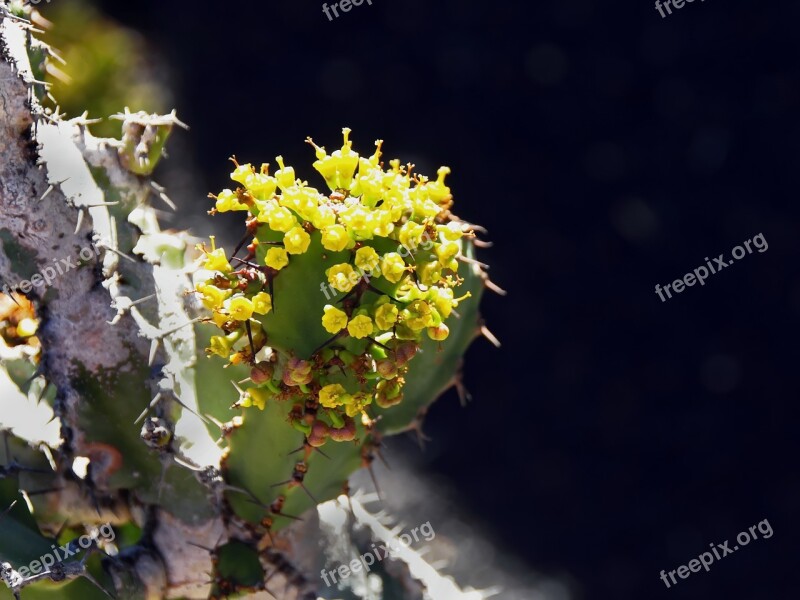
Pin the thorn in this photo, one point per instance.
(153, 349)
(307, 445)
(463, 393)
(270, 280)
(375, 482)
(472, 261)
(117, 252)
(305, 489)
(41, 395)
(489, 336)
(161, 193)
(421, 437)
(49, 189)
(326, 343)
(247, 234)
(482, 244)
(494, 287)
(196, 414)
(164, 334)
(101, 204)
(245, 262)
(80, 221)
(6, 511)
(250, 339)
(209, 550)
(148, 409)
(89, 576)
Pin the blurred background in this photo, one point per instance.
(606, 149)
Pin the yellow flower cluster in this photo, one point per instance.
(397, 257)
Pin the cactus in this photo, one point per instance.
(207, 402)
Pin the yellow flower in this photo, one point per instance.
(367, 259)
(338, 168)
(342, 277)
(284, 175)
(451, 231)
(386, 316)
(241, 172)
(418, 315)
(277, 258)
(334, 320)
(442, 299)
(323, 217)
(216, 261)
(393, 267)
(240, 308)
(333, 395)
(359, 221)
(446, 252)
(410, 234)
(296, 240)
(213, 297)
(281, 219)
(438, 333)
(261, 186)
(429, 273)
(438, 191)
(335, 238)
(227, 200)
(357, 403)
(360, 326)
(255, 397)
(221, 346)
(220, 319)
(262, 303)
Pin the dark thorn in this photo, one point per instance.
(247, 234)
(334, 338)
(270, 279)
(305, 489)
(250, 339)
(375, 482)
(209, 550)
(372, 288)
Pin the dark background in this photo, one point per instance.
(606, 150)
